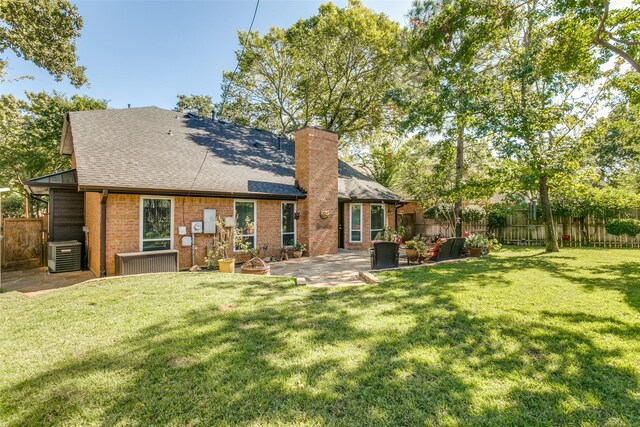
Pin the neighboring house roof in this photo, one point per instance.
(161, 151)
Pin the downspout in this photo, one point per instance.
(103, 233)
(395, 213)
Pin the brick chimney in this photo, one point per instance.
(317, 175)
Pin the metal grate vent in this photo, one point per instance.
(147, 262)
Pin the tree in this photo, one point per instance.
(43, 32)
(616, 30)
(615, 139)
(446, 87)
(583, 199)
(31, 132)
(380, 152)
(331, 70)
(202, 105)
(545, 100)
(428, 171)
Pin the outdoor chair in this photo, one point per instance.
(441, 252)
(456, 249)
(385, 255)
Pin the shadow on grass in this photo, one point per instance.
(402, 353)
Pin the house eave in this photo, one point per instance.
(183, 193)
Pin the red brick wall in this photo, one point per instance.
(366, 224)
(123, 226)
(317, 174)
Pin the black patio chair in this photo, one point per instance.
(444, 252)
(456, 249)
(385, 255)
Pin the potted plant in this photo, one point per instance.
(388, 235)
(411, 250)
(298, 249)
(422, 249)
(223, 238)
(475, 244)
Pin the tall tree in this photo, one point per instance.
(202, 105)
(43, 32)
(446, 86)
(545, 100)
(331, 70)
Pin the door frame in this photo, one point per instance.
(340, 225)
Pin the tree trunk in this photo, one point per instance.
(584, 229)
(551, 240)
(459, 175)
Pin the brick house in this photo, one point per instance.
(146, 174)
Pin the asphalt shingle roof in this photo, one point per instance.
(162, 151)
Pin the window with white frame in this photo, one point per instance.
(156, 223)
(377, 220)
(245, 215)
(288, 224)
(355, 221)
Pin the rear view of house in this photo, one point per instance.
(149, 179)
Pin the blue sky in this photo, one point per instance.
(146, 52)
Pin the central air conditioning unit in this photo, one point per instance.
(64, 256)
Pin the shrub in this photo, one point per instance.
(497, 216)
(473, 214)
(618, 227)
(475, 241)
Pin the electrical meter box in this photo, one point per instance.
(196, 227)
(209, 221)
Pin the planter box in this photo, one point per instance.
(475, 252)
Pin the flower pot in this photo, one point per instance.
(256, 266)
(475, 252)
(227, 265)
(412, 255)
(297, 254)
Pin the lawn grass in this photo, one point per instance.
(516, 338)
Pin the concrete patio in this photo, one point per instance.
(38, 281)
(340, 269)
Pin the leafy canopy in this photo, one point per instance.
(331, 70)
(202, 105)
(31, 132)
(43, 32)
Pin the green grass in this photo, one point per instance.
(516, 338)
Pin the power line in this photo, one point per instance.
(224, 98)
(244, 46)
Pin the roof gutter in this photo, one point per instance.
(184, 193)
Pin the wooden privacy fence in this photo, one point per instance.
(523, 230)
(24, 243)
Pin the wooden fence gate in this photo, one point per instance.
(24, 243)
